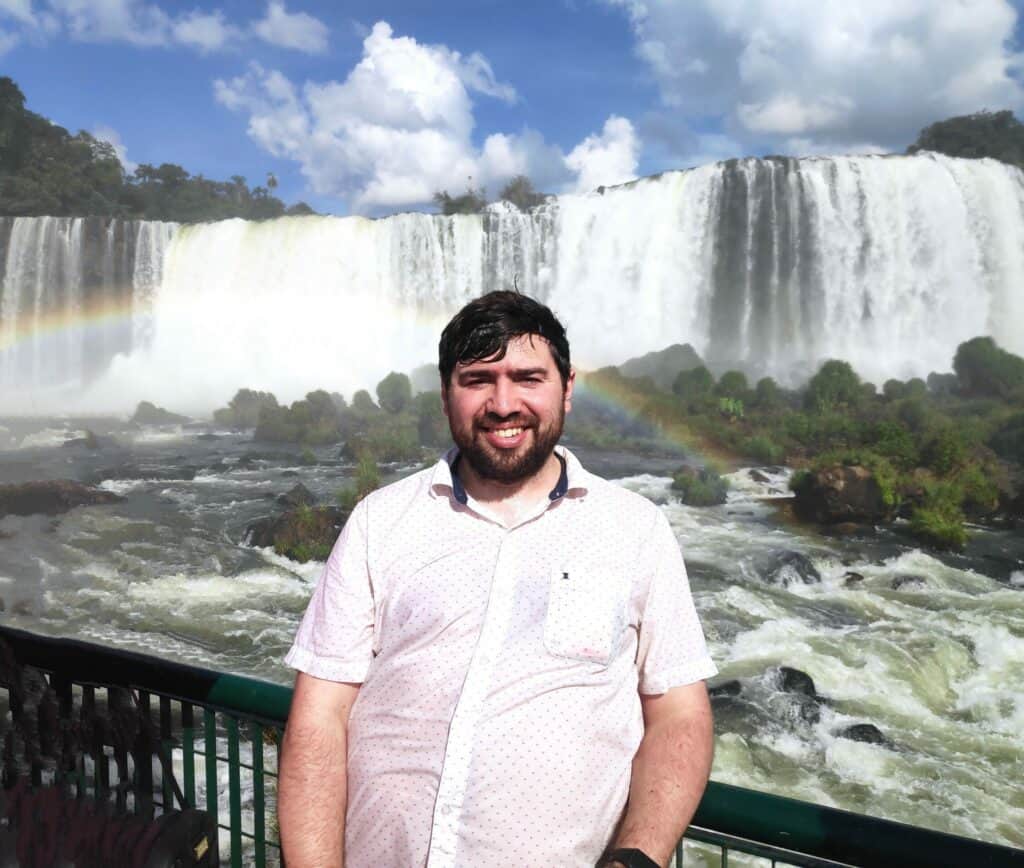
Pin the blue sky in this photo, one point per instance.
(360, 107)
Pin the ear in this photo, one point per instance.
(569, 384)
(444, 398)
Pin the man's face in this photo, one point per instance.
(507, 415)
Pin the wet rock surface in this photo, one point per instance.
(52, 497)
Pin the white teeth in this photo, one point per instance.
(508, 433)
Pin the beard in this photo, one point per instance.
(508, 466)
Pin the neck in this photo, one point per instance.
(523, 491)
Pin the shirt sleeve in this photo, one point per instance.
(335, 639)
(671, 650)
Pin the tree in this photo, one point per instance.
(394, 392)
(835, 386)
(519, 191)
(694, 384)
(767, 394)
(732, 384)
(473, 201)
(984, 369)
(982, 134)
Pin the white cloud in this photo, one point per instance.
(7, 41)
(19, 10)
(206, 32)
(605, 159)
(831, 72)
(113, 138)
(296, 30)
(129, 21)
(395, 130)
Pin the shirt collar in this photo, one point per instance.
(446, 477)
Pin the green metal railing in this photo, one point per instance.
(223, 732)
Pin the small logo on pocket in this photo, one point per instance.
(565, 575)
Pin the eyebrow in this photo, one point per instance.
(515, 373)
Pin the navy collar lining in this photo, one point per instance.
(559, 491)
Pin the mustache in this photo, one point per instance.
(516, 418)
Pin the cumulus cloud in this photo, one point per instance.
(400, 127)
(204, 31)
(108, 134)
(829, 73)
(146, 24)
(605, 158)
(296, 30)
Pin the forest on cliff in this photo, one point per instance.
(47, 171)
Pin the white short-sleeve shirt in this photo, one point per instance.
(501, 667)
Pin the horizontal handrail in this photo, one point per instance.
(760, 818)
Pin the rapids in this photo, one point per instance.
(928, 649)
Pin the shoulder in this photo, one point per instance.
(400, 494)
(632, 509)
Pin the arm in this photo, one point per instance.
(312, 787)
(670, 770)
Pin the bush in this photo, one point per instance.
(983, 368)
(243, 411)
(702, 487)
(894, 442)
(764, 449)
(1008, 439)
(366, 481)
(732, 384)
(836, 386)
(768, 395)
(939, 521)
(394, 392)
(945, 451)
(694, 384)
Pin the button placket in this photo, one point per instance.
(459, 748)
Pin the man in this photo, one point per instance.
(501, 649)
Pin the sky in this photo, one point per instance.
(370, 108)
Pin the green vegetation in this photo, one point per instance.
(519, 192)
(243, 411)
(45, 170)
(367, 480)
(984, 134)
(703, 487)
(940, 450)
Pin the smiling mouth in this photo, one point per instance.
(507, 433)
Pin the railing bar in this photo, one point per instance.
(234, 792)
(210, 734)
(188, 751)
(725, 857)
(167, 745)
(144, 763)
(258, 804)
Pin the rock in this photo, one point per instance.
(296, 496)
(785, 568)
(911, 582)
(851, 578)
(206, 435)
(290, 473)
(302, 534)
(726, 688)
(851, 528)
(50, 498)
(865, 732)
(149, 414)
(758, 476)
(134, 471)
(89, 441)
(841, 494)
(794, 681)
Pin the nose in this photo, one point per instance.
(503, 400)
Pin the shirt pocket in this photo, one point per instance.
(586, 612)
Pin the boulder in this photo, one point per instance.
(785, 568)
(51, 497)
(89, 441)
(149, 414)
(851, 578)
(865, 732)
(296, 496)
(908, 581)
(841, 493)
(302, 534)
(726, 688)
(794, 681)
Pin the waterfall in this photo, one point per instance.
(770, 265)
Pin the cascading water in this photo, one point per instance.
(769, 265)
(70, 289)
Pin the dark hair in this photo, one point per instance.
(483, 328)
